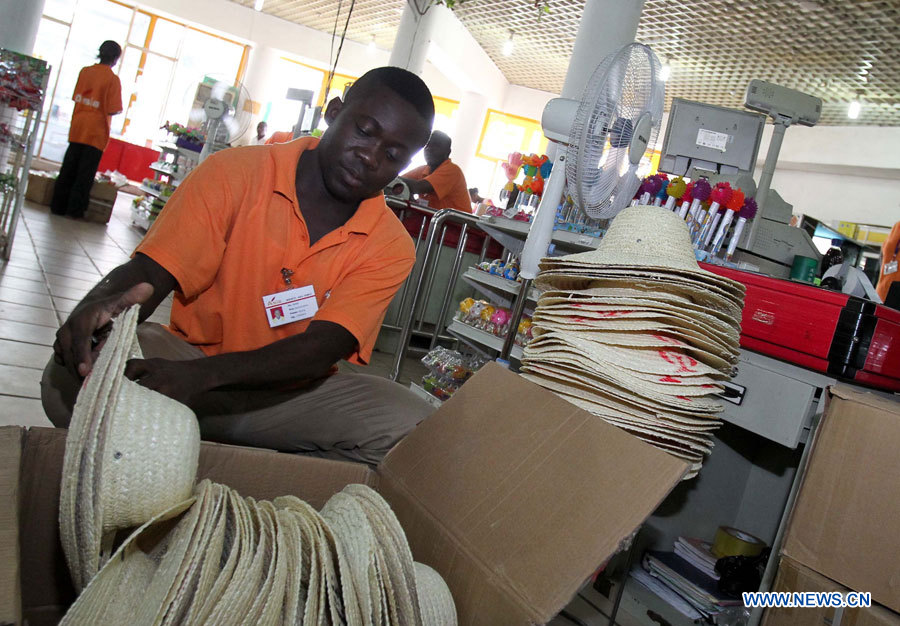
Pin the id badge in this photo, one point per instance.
(291, 305)
(890, 268)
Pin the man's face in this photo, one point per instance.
(436, 151)
(370, 142)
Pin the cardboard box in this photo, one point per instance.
(40, 188)
(104, 191)
(514, 495)
(98, 211)
(794, 577)
(846, 521)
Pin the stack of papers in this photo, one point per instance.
(698, 553)
(670, 574)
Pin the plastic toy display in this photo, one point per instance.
(448, 370)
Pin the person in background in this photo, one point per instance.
(890, 255)
(260, 134)
(283, 260)
(280, 136)
(440, 181)
(98, 96)
(474, 196)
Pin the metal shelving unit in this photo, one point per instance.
(23, 83)
(174, 165)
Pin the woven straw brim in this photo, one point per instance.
(569, 281)
(132, 586)
(436, 604)
(691, 332)
(690, 398)
(395, 557)
(561, 378)
(681, 302)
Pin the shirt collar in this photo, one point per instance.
(285, 157)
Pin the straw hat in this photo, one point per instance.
(435, 600)
(130, 453)
(647, 237)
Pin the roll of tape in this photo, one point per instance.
(733, 542)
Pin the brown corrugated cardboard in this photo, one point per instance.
(794, 577)
(98, 211)
(40, 188)
(514, 495)
(845, 522)
(104, 191)
(10, 463)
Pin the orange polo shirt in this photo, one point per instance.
(889, 252)
(235, 222)
(280, 136)
(97, 96)
(449, 182)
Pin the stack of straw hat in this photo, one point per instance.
(637, 334)
(203, 554)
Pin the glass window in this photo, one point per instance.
(60, 9)
(166, 37)
(139, 27)
(50, 46)
(503, 133)
(151, 91)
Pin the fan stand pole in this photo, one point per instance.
(539, 236)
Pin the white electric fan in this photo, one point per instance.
(222, 110)
(601, 140)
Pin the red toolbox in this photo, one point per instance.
(843, 336)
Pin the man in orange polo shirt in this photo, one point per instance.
(439, 182)
(97, 96)
(283, 260)
(280, 136)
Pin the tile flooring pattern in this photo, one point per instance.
(54, 262)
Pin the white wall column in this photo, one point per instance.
(261, 82)
(19, 25)
(605, 26)
(469, 120)
(414, 38)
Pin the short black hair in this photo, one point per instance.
(110, 52)
(402, 82)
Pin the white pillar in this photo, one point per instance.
(469, 120)
(413, 38)
(605, 26)
(19, 25)
(261, 81)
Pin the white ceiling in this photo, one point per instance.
(835, 49)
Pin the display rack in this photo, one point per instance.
(174, 164)
(23, 83)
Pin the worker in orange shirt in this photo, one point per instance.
(890, 256)
(283, 260)
(280, 136)
(97, 96)
(439, 182)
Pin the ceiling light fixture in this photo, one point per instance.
(371, 46)
(665, 72)
(855, 107)
(259, 5)
(508, 45)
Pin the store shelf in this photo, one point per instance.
(498, 289)
(151, 192)
(481, 338)
(569, 240)
(419, 391)
(162, 170)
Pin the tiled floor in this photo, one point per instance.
(54, 262)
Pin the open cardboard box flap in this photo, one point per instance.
(514, 495)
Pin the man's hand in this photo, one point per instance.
(79, 340)
(183, 381)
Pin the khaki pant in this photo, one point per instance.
(350, 417)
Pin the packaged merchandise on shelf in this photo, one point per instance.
(21, 80)
(499, 267)
(482, 315)
(448, 370)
